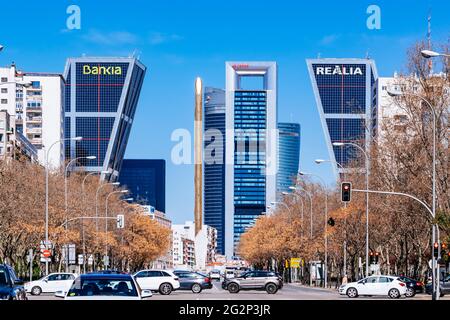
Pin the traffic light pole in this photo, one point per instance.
(434, 263)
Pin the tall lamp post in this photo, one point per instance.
(66, 200)
(46, 191)
(96, 197)
(326, 223)
(320, 161)
(340, 144)
(297, 197)
(106, 218)
(435, 268)
(310, 207)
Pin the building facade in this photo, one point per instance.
(38, 108)
(101, 95)
(345, 93)
(13, 145)
(214, 163)
(251, 146)
(288, 155)
(146, 181)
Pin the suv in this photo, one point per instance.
(254, 280)
(444, 286)
(163, 281)
(11, 287)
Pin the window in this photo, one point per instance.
(4, 90)
(103, 287)
(4, 79)
(372, 280)
(4, 101)
(35, 84)
(384, 280)
(154, 274)
(3, 276)
(142, 274)
(165, 274)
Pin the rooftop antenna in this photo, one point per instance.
(367, 54)
(318, 55)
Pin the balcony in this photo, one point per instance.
(34, 109)
(36, 141)
(34, 130)
(34, 119)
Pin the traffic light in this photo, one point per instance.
(371, 257)
(436, 250)
(377, 255)
(120, 221)
(346, 191)
(331, 222)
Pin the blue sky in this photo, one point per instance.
(178, 40)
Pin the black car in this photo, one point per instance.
(444, 286)
(193, 281)
(413, 286)
(107, 272)
(11, 287)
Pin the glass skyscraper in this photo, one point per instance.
(251, 147)
(288, 155)
(344, 92)
(214, 171)
(146, 181)
(101, 98)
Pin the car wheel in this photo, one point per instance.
(35, 291)
(410, 292)
(352, 293)
(196, 288)
(233, 288)
(394, 294)
(165, 289)
(271, 288)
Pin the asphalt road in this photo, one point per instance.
(289, 292)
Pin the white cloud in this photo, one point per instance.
(110, 38)
(329, 39)
(159, 37)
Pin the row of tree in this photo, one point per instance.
(22, 221)
(400, 159)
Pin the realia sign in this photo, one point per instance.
(102, 70)
(339, 70)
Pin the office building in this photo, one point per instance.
(191, 250)
(214, 166)
(100, 102)
(345, 93)
(251, 146)
(288, 155)
(37, 102)
(146, 180)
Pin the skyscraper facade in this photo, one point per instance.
(214, 170)
(101, 96)
(288, 155)
(251, 147)
(345, 93)
(146, 181)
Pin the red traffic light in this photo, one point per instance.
(377, 253)
(444, 246)
(371, 253)
(436, 245)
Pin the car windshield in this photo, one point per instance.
(103, 287)
(3, 279)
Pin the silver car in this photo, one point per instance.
(254, 280)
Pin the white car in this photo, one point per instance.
(375, 286)
(229, 274)
(51, 283)
(163, 281)
(104, 287)
(214, 274)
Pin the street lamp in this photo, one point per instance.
(106, 218)
(340, 144)
(396, 93)
(46, 191)
(65, 198)
(310, 207)
(431, 54)
(326, 223)
(1, 47)
(274, 203)
(297, 197)
(320, 161)
(96, 198)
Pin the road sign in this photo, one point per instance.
(46, 253)
(80, 259)
(90, 260)
(295, 262)
(106, 260)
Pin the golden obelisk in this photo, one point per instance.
(198, 158)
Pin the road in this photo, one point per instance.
(289, 292)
